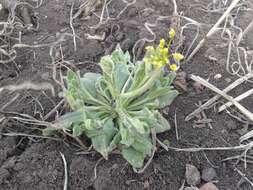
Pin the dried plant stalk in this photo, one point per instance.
(202, 81)
(214, 28)
(215, 98)
(238, 98)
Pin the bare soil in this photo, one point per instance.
(30, 163)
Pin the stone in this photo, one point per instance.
(192, 175)
(208, 174)
(208, 186)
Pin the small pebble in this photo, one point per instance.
(209, 186)
(198, 87)
(208, 174)
(218, 76)
(192, 175)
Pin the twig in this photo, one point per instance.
(208, 121)
(215, 98)
(175, 121)
(175, 7)
(241, 35)
(28, 135)
(95, 168)
(220, 92)
(65, 172)
(76, 139)
(29, 86)
(175, 24)
(235, 148)
(182, 186)
(213, 30)
(10, 102)
(244, 177)
(72, 27)
(95, 37)
(53, 110)
(247, 136)
(32, 121)
(238, 98)
(162, 144)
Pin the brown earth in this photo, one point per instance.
(29, 163)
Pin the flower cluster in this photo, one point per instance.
(160, 56)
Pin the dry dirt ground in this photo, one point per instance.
(30, 163)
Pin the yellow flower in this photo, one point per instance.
(149, 48)
(162, 43)
(173, 67)
(164, 51)
(178, 56)
(158, 64)
(172, 33)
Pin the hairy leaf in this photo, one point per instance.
(134, 157)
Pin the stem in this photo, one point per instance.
(144, 88)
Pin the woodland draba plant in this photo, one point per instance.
(118, 109)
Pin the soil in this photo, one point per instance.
(31, 163)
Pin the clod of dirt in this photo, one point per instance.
(198, 87)
(4, 174)
(209, 186)
(192, 175)
(180, 81)
(208, 174)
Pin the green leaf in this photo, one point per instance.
(89, 81)
(167, 99)
(126, 136)
(106, 65)
(167, 80)
(134, 157)
(143, 145)
(155, 98)
(68, 119)
(137, 124)
(139, 76)
(162, 124)
(77, 130)
(118, 56)
(101, 142)
(73, 93)
(115, 141)
(120, 76)
(80, 90)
